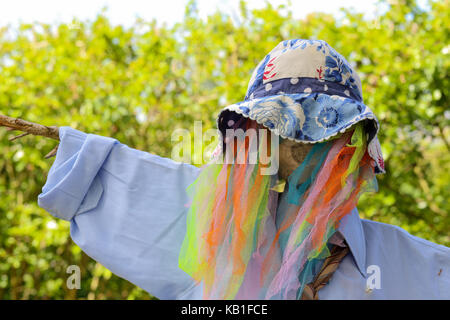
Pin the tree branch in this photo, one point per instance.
(19, 136)
(29, 127)
(52, 152)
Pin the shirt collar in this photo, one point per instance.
(352, 231)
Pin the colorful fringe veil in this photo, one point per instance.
(243, 243)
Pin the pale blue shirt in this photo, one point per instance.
(127, 210)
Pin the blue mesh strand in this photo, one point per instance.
(295, 192)
(374, 184)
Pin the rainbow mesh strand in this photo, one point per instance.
(242, 244)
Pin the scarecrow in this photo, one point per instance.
(234, 229)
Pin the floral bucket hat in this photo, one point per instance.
(304, 90)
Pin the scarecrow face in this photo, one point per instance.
(292, 155)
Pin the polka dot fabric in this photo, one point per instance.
(304, 90)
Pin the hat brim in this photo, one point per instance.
(308, 118)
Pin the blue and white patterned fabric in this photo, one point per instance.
(304, 90)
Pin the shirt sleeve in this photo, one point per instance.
(127, 208)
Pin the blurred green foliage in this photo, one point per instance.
(138, 84)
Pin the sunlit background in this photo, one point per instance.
(169, 11)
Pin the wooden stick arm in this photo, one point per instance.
(30, 128)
